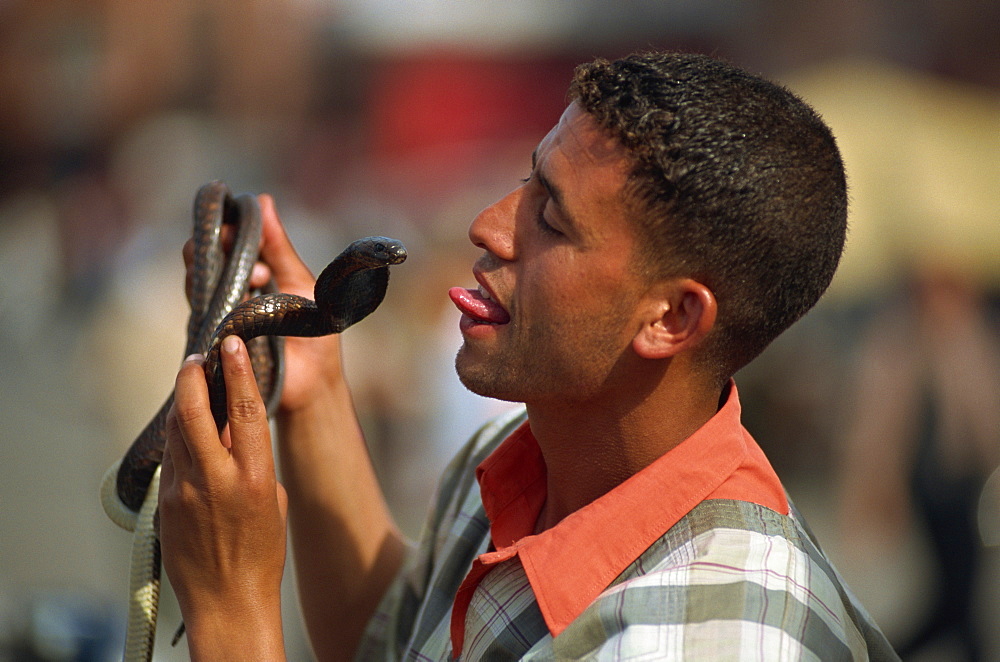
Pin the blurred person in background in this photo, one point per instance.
(925, 437)
(680, 216)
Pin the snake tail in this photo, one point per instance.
(144, 582)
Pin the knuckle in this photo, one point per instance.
(170, 502)
(258, 481)
(238, 366)
(262, 489)
(184, 497)
(245, 409)
(172, 426)
(189, 498)
(187, 415)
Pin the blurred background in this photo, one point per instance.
(404, 118)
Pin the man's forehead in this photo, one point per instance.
(578, 135)
(584, 169)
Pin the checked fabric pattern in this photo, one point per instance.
(730, 581)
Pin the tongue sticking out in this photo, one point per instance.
(473, 305)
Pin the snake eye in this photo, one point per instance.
(379, 248)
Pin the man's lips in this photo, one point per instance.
(478, 306)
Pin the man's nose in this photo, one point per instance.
(493, 228)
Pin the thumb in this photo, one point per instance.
(289, 271)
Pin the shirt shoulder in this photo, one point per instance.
(414, 610)
(731, 580)
(458, 481)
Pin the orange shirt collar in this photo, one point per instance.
(719, 461)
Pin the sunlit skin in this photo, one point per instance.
(595, 348)
(602, 357)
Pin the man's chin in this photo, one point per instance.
(484, 381)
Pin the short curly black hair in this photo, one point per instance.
(737, 183)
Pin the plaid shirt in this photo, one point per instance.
(730, 579)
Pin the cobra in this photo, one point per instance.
(348, 290)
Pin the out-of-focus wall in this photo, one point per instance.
(405, 118)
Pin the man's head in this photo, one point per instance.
(681, 209)
(736, 184)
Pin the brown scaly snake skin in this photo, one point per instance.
(350, 288)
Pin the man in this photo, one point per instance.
(680, 215)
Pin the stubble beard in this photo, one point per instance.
(548, 369)
(492, 377)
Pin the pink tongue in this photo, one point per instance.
(472, 303)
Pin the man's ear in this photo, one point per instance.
(680, 314)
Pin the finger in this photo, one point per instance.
(226, 437)
(277, 251)
(168, 472)
(248, 428)
(227, 235)
(282, 501)
(192, 413)
(187, 252)
(175, 449)
(167, 465)
(260, 276)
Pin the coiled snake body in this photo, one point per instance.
(351, 287)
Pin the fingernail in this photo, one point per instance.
(195, 358)
(230, 344)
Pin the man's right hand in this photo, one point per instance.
(344, 540)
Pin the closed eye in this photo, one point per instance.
(552, 195)
(546, 228)
(544, 225)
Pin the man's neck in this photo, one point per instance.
(590, 448)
